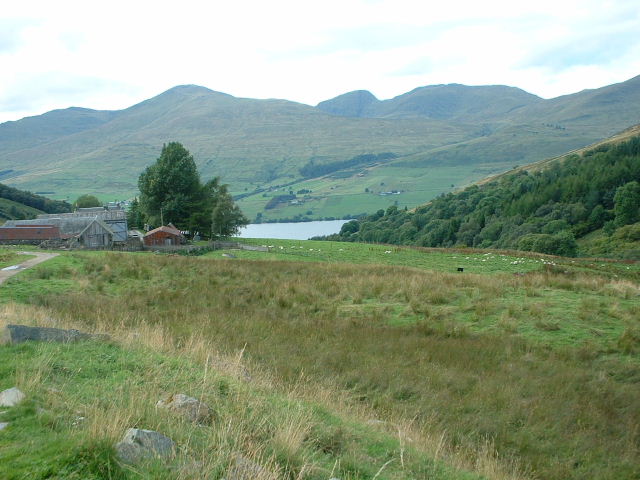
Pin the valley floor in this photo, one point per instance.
(334, 360)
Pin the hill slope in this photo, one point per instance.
(17, 204)
(544, 209)
(258, 145)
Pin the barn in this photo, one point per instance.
(86, 231)
(29, 234)
(96, 234)
(165, 235)
(113, 216)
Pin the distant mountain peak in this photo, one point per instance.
(192, 90)
(443, 101)
(351, 104)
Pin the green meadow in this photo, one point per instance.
(339, 360)
(357, 191)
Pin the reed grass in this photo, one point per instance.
(504, 375)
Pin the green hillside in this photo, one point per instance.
(439, 135)
(17, 204)
(544, 209)
(10, 210)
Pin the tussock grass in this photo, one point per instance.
(472, 374)
(89, 393)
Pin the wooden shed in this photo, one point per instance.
(165, 235)
(96, 234)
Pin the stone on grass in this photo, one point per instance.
(11, 397)
(13, 334)
(3, 425)
(138, 445)
(189, 407)
(245, 469)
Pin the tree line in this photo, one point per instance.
(38, 202)
(312, 169)
(544, 210)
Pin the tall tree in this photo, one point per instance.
(627, 204)
(134, 215)
(170, 189)
(226, 216)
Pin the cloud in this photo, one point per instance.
(44, 90)
(595, 47)
(11, 31)
(55, 54)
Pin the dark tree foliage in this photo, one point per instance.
(171, 192)
(87, 201)
(170, 189)
(543, 211)
(313, 169)
(135, 217)
(35, 201)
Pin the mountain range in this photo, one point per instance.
(433, 138)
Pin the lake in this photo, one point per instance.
(292, 231)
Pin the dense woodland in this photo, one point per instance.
(311, 169)
(545, 210)
(35, 201)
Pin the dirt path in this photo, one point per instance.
(8, 272)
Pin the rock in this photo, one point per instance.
(13, 334)
(3, 425)
(137, 445)
(245, 469)
(191, 408)
(375, 422)
(11, 397)
(228, 255)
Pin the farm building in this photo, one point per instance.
(96, 234)
(87, 231)
(165, 235)
(113, 216)
(29, 234)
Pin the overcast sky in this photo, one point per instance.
(110, 55)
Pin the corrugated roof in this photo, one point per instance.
(166, 229)
(67, 225)
(99, 222)
(24, 232)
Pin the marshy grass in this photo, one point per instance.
(499, 374)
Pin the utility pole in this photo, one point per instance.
(161, 217)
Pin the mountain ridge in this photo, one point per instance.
(258, 144)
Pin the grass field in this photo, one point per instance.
(348, 193)
(83, 397)
(519, 367)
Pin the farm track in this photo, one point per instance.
(9, 272)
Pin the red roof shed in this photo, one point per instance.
(165, 235)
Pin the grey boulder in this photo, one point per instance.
(189, 407)
(138, 445)
(11, 397)
(13, 334)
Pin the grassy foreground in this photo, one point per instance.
(534, 375)
(82, 398)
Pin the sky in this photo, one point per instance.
(111, 55)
